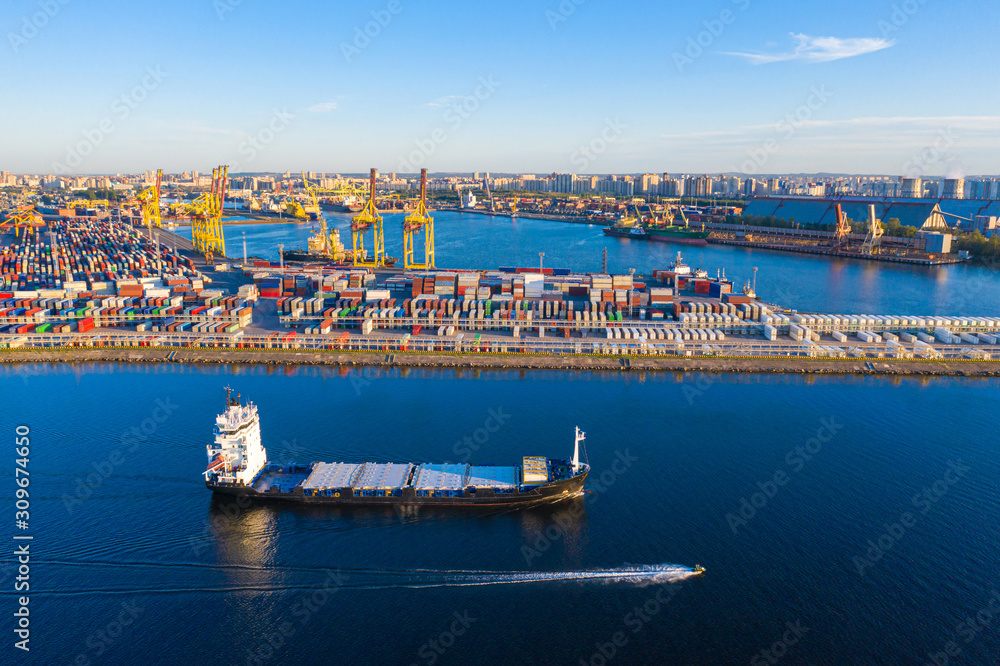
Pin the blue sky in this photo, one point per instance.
(594, 87)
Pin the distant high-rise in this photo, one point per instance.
(954, 188)
(912, 188)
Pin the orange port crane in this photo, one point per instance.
(367, 219)
(414, 223)
(843, 228)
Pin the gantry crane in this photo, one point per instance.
(367, 219)
(843, 228)
(873, 241)
(206, 215)
(23, 216)
(312, 210)
(149, 198)
(412, 226)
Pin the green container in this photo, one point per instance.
(43, 328)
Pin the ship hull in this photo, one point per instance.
(549, 492)
(683, 240)
(608, 231)
(695, 238)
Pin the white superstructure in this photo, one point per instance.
(237, 454)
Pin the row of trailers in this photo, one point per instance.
(462, 343)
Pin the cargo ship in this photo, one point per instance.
(670, 234)
(238, 465)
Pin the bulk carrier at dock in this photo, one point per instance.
(237, 465)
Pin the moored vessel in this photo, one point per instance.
(238, 465)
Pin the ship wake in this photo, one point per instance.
(138, 577)
(655, 574)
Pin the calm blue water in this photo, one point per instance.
(807, 283)
(127, 521)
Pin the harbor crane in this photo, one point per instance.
(367, 219)
(149, 199)
(311, 210)
(25, 217)
(873, 241)
(206, 216)
(414, 223)
(489, 195)
(843, 228)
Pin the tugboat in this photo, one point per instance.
(238, 465)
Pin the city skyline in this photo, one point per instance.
(873, 88)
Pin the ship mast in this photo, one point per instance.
(580, 436)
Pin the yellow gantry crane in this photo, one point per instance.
(206, 215)
(24, 216)
(311, 210)
(367, 219)
(149, 198)
(414, 223)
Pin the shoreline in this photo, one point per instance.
(498, 361)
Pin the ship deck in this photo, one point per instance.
(281, 479)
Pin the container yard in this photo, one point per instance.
(96, 284)
(85, 254)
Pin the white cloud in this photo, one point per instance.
(444, 101)
(820, 49)
(322, 107)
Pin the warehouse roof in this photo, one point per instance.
(917, 213)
